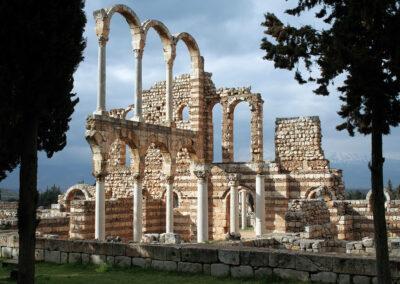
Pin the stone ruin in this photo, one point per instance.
(155, 173)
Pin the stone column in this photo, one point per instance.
(169, 205)
(234, 208)
(138, 85)
(100, 208)
(137, 208)
(101, 87)
(244, 210)
(202, 205)
(260, 205)
(168, 92)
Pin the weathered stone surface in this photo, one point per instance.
(189, 267)
(219, 270)
(39, 255)
(359, 279)
(262, 272)
(170, 238)
(64, 257)
(74, 257)
(123, 261)
(283, 260)
(97, 259)
(85, 258)
(229, 256)
(141, 262)
(110, 259)
(243, 271)
(344, 279)
(164, 265)
(206, 269)
(6, 252)
(291, 274)
(52, 256)
(202, 255)
(324, 277)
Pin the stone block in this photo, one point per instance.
(53, 256)
(243, 271)
(118, 249)
(282, 260)
(262, 272)
(219, 270)
(133, 250)
(74, 257)
(164, 265)
(123, 261)
(15, 253)
(85, 258)
(64, 257)
(229, 256)
(6, 252)
(141, 262)
(291, 274)
(344, 279)
(202, 255)
(190, 267)
(207, 269)
(324, 277)
(359, 279)
(39, 254)
(170, 238)
(97, 259)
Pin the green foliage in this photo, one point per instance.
(359, 42)
(49, 196)
(355, 194)
(43, 47)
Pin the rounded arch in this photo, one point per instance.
(78, 192)
(328, 194)
(194, 50)
(164, 34)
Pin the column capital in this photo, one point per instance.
(258, 167)
(138, 53)
(201, 173)
(102, 40)
(233, 179)
(137, 177)
(169, 179)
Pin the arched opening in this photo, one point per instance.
(217, 133)
(120, 65)
(185, 114)
(242, 132)
(182, 116)
(175, 200)
(128, 156)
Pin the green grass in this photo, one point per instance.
(68, 273)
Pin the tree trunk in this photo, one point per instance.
(378, 204)
(27, 202)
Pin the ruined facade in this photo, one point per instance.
(155, 173)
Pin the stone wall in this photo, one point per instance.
(58, 226)
(298, 144)
(236, 262)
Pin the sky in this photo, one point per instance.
(229, 34)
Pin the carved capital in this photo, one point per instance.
(233, 179)
(102, 40)
(168, 179)
(138, 53)
(201, 173)
(137, 177)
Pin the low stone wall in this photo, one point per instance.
(237, 262)
(55, 226)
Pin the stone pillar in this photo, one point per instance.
(138, 85)
(101, 87)
(169, 205)
(234, 208)
(260, 205)
(244, 210)
(202, 205)
(227, 134)
(137, 208)
(100, 208)
(168, 92)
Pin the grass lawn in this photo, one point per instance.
(68, 273)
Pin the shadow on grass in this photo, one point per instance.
(47, 273)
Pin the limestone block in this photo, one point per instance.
(110, 259)
(243, 271)
(254, 258)
(85, 258)
(229, 256)
(202, 255)
(170, 238)
(52, 256)
(219, 270)
(344, 279)
(189, 267)
(207, 269)
(74, 257)
(97, 259)
(262, 272)
(324, 277)
(123, 261)
(6, 252)
(291, 274)
(64, 257)
(166, 265)
(283, 260)
(141, 262)
(359, 279)
(15, 253)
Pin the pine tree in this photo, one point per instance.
(41, 47)
(357, 38)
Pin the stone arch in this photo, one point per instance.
(321, 192)
(164, 34)
(78, 192)
(193, 48)
(386, 194)
(179, 112)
